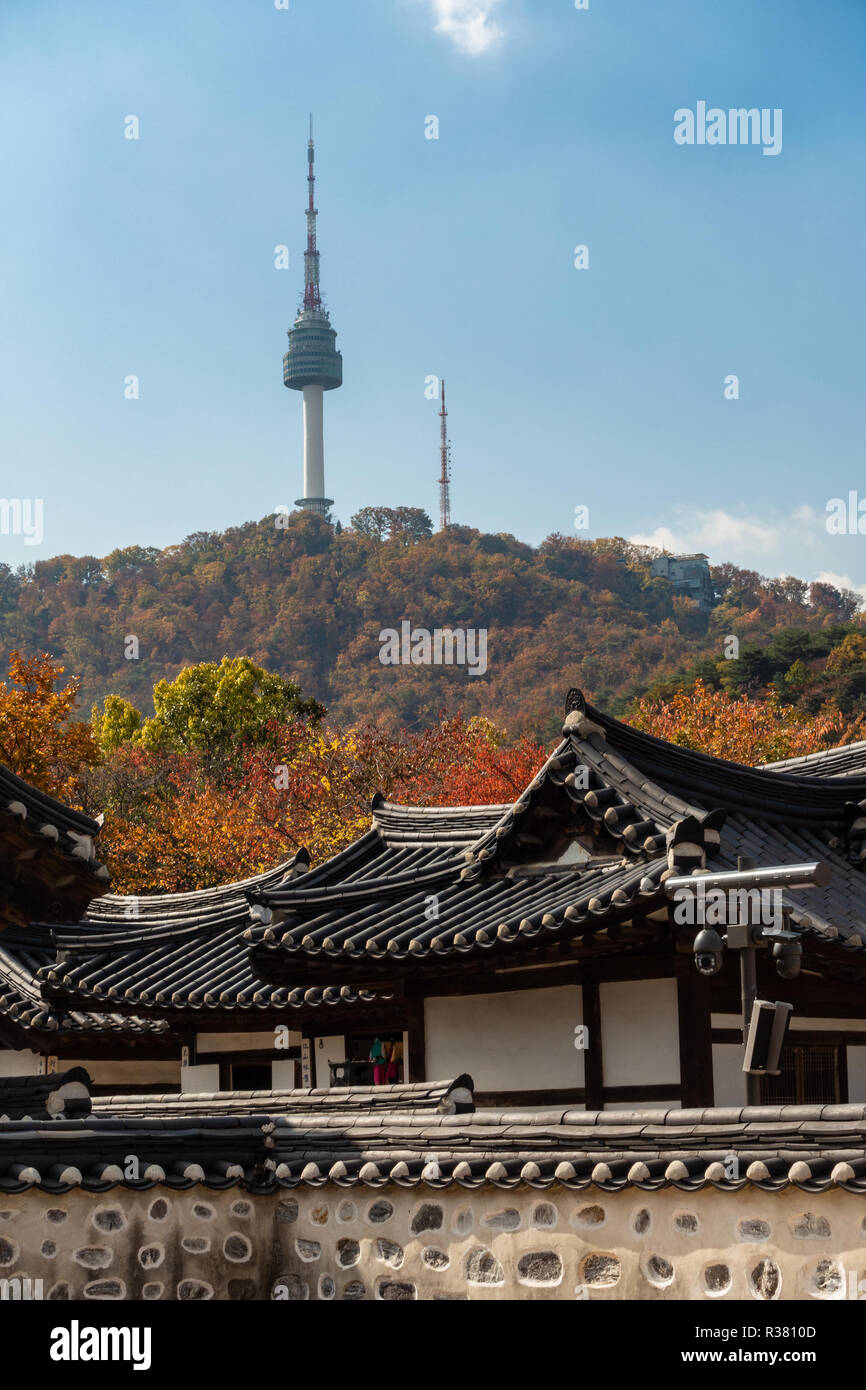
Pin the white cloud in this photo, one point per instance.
(772, 545)
(717, 533)
(468, 24)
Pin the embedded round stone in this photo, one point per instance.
(319, 1216)
(765, 1279)
(506, 1220)
(686, 1223)
(600, 1270)
(428, 1217)
(826, 1279)
(204, 1211)
(196, 1245)
(752, 1229)
(58, 1292)
(109, 1219)
(93, 1257)
(308, 1250)
(194, 1291)
(346, 1212)
(588, 1217)
(8, 1251)
(152, 1290)
(462, 1222)
(809, 1226)
(49, 1249)
(435, 1259)
(287, 1211)
(390, 1291)
(241, 1209)
(641, 1222)
(237, 1248)
(545, 1214)
(390, 1252)
(659, 1271)
(717, 1279)
(539, 1267)
(327, 1287)
(348, 1253)
(158, 1209)
(482, 1267)
(290, 1289)
(55, 1215)
(149, 1256)
(105, 1289)
(355, 1291)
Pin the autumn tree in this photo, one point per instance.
(40, 739)
(739, 728)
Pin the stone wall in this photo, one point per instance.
(397, 1243)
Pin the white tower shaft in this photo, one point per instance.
(314, 442)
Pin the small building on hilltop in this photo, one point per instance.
(689, 574)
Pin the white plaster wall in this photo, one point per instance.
(283, 1075)
(673, 1103)
(729, 1079)
(856, 1075)
(325, 1050)
(200, 1080)
(513, 1041)
(19, 1063)
(640, 1033)
(128, 1071)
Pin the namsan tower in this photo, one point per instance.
(313, 364)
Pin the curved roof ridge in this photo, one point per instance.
(732, 785)
(155, 902)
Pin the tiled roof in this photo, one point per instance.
(45, 1097)
(814, 1148)
(162, 953)
(445, 1097)
(847, 761)
(426, 886)
(47, 853)
(663, 805)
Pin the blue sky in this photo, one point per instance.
(602, 387)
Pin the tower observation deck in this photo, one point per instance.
(313, 364)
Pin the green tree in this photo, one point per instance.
(219, 710)
(118, 722)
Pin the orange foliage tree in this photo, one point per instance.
(744, 730)
(40, 740)
(171, 827)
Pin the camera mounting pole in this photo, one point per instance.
(748, 989)
(745, 936)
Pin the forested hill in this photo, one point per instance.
(309, 601)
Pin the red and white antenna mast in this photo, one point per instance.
(445, 461)
(312, 295)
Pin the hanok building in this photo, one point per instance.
(493, 940)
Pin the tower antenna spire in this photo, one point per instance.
(313, 364)
(445, 466)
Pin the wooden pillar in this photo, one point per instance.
(694, 1016)
(417, 1045)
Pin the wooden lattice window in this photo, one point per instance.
(810, 1075)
